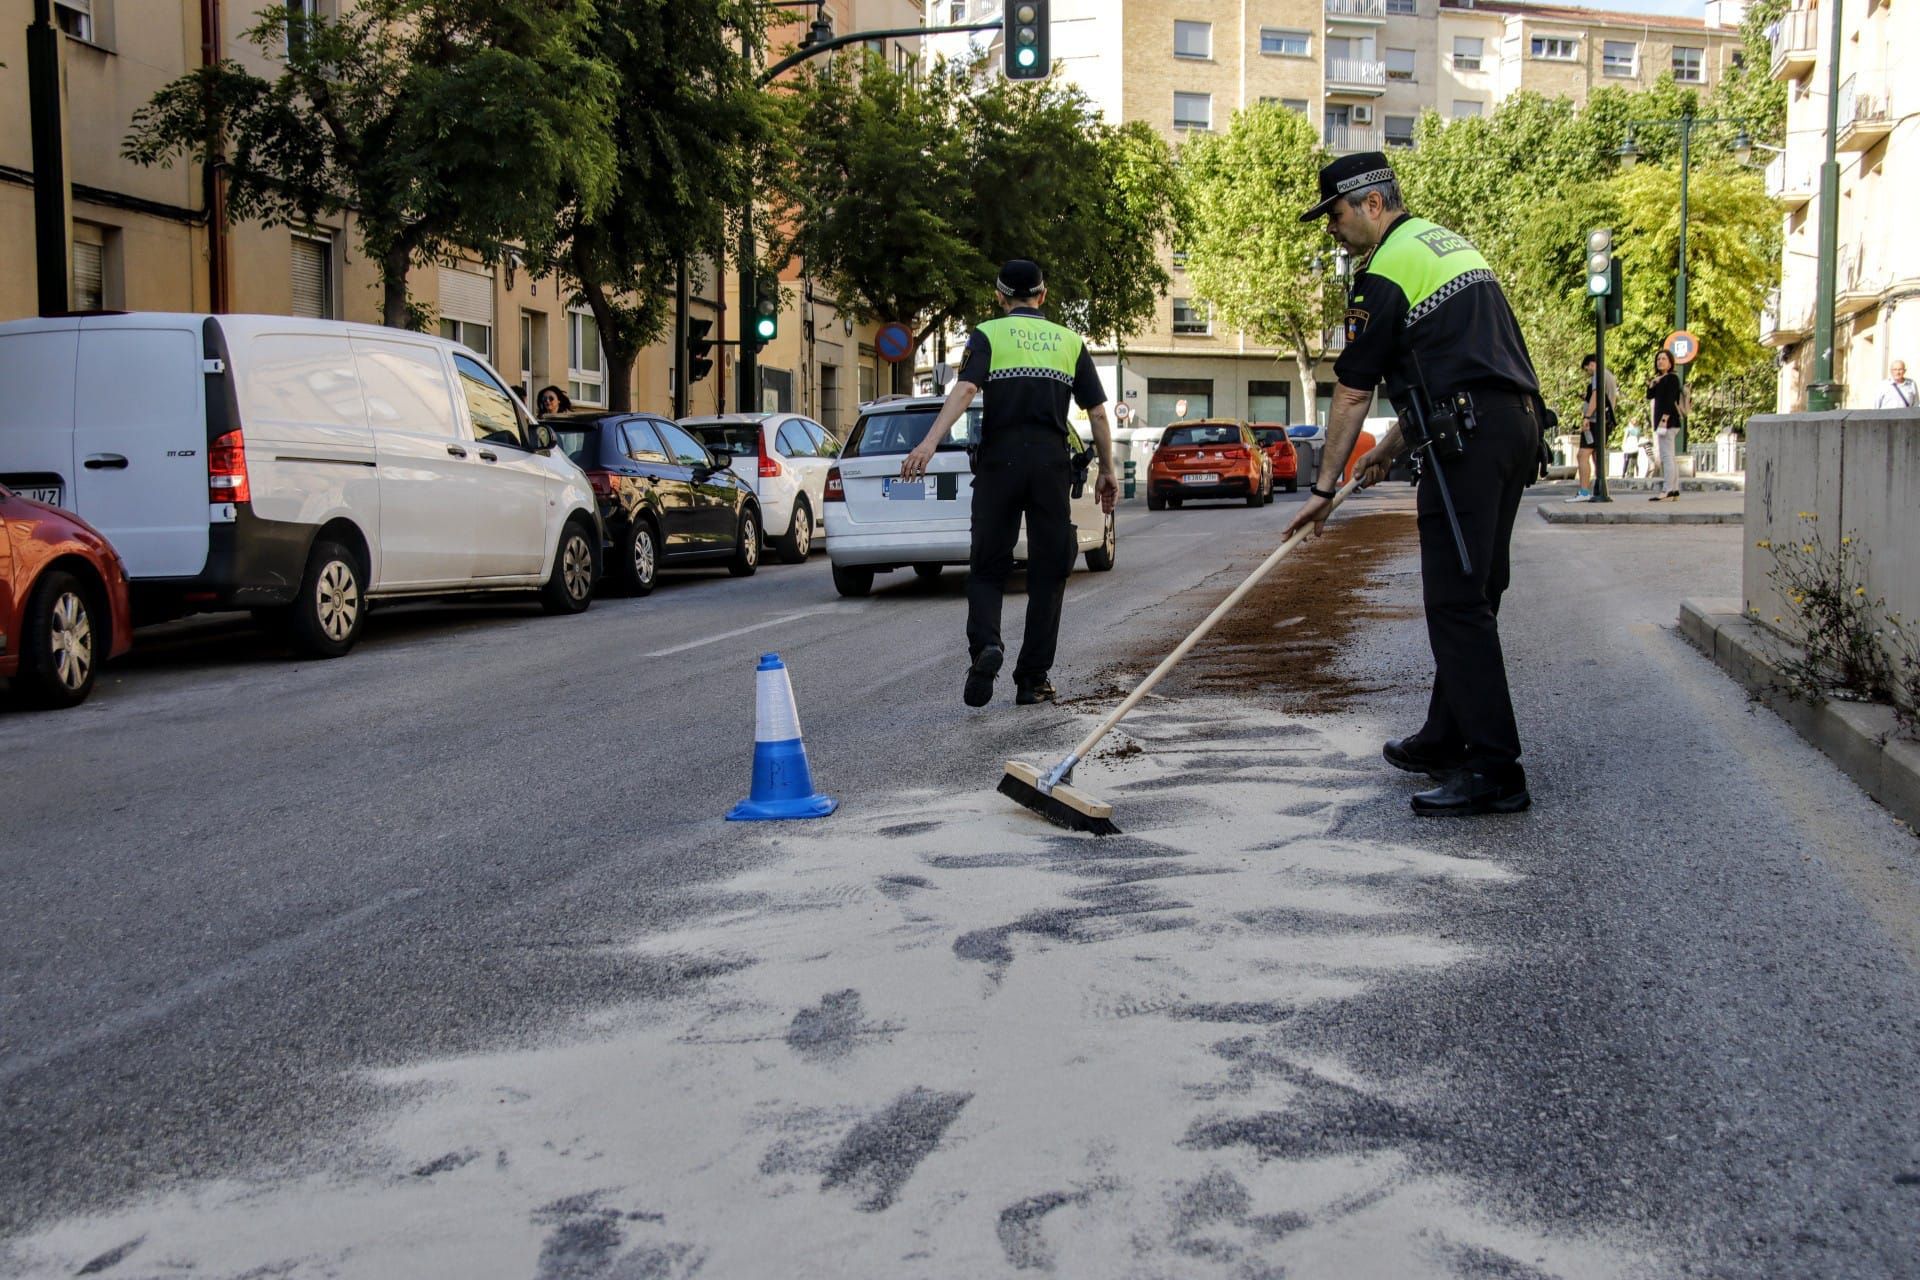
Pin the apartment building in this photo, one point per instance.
(1877, 271)
(1364, 71)
(141, 239)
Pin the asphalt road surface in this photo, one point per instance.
(440, 959)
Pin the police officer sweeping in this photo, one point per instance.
(1426, 317)
(1028, 366)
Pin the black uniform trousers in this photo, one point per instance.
(1021, 472)
(1470, 712)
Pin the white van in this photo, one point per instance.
(297, 468)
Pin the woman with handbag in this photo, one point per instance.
(1663, 396)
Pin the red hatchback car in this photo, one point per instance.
(1214, 458)
(63, 602)
(1280, 452)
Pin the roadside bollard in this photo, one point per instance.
(1126, 479)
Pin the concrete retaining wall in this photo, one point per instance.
(1859, 471)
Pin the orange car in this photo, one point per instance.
(1280, 453)
(63, 602)
(1212, 458)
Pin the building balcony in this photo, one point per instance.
(1343, 138)
(1780, 325)
(1366, 13)
(1857, 282)
(1795, 37)
(1356, 75)
(1864, 118)
(1791, 181)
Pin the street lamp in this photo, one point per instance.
(1629, 154)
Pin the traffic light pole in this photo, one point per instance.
(1601, 433)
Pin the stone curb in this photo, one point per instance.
(1854, 735)
(1608, 513)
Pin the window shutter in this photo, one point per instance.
(466, 295)
(87, 277)
(310, 292)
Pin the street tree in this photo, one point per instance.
(1248, 253)
(441, 125)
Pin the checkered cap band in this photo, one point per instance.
(1363, 180)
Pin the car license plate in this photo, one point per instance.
(47, 493)
(1201, 477)
(898, 490)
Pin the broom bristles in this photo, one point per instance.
(1057, 807)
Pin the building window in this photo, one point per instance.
(89, 275)
(869, 381)
(1172, 400)
(586, 368)
(466, 309)
(1193, 39)
(1556, 48)
(956, 12)
(75, 17)
(1295, 104)
(1285, 43)
(1617, 57)
(1400, 64)
(1190, 321)
(1193, 111)
(1399, 131)
(313, 277)
(1466, 52)
(1689, 65)
(1270, 402)
(1402, 6)
(1179, 260)
(1465, 109)
(533, 353)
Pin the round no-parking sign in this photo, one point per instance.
(1684, 346)
(894, 343)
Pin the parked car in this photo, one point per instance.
(297, 468)
(63, 602)
(877, 522)
(1213, 458)
(1282, 457)
(667, 501)
(784, 459)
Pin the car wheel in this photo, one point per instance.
(746, 546)
(798, 544)
(928, 572)
(61, 652)
(1100, 558)
(640, 558)
(1256, 496)
(1175, 502)
(852, 580)
(327, 614)
(569, 588)
(1155, 502)
(1293, 486)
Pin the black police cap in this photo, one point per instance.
(1020, 278)
(1348, 173)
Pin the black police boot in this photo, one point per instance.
(980, 674)
(1468, 791)
(1416, 756)
(1031, 689)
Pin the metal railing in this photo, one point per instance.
(1356, 8)
(1795, 31)
(1777, 317)
(1861, 102)
(1364, 71)
(1352, 137)
(1782, 177)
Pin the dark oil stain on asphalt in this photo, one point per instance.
(829, 1030)
(451, 1160)
(882, 1152)
(1019, 1228)
(111, 1258)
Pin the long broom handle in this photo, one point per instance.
(1199, 633)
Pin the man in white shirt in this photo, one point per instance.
(1898, 392)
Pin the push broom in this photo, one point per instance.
(1048, 793)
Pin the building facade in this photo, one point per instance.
(1364, 71)
(1876, 271)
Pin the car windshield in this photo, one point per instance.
(578, 442)
(899, 430)
(1203, 433)
(735, 437)
(1301, 433)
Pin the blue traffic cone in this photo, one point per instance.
(782, 782)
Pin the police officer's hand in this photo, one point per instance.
(1372, 467)
(1107, 489)
(1314, 511)
(914, 465)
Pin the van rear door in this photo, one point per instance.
(36, 412)
(140, 444)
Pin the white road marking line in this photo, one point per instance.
(781, 621)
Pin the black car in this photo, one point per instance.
(667, 501)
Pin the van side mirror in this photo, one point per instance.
(544, 437)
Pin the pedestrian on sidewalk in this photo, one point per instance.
(1663, 410)
(1630, 451)
(1426, 315)
(1898, 391)
(1595, 434)
(1029, 368)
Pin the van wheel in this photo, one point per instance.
(746, 546)
(1101, 558)
(852, 580)
(639, 558)
(798, 544)
(327, 615)
(569, 588)
(61, 652)
(928, 572)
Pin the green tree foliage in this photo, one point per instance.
(441, 125)
(1749, 92)
(1248, 253)
(904, 194)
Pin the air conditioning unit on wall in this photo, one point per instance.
(1362, 114)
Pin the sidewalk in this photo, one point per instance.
(1710, 500)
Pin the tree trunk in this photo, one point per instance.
(393, 285)
(617, 354)
(1304, 362)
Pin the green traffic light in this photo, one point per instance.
(765, 326)
(1025, 57)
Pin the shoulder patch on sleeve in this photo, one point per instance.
(1356, 323)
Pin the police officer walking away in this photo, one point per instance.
(1028, 366)
(1427, 317)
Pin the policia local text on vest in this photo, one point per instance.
(1028, 367)
(1427, 318)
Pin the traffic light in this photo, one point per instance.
(699, 350)
(766, 310)
(1025, 42)
(1599, 262)
(1615, 295)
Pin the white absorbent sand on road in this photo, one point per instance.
(945, 1039)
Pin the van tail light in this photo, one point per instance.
(769, 465)
(227, 469)
(836, 488)
(602, 482)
